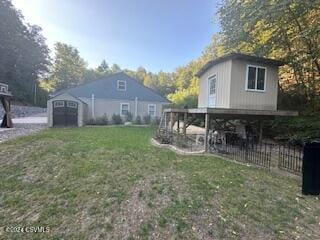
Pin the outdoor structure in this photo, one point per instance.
(113, 94)
(5, 97)
(234, 87)
(239, 81)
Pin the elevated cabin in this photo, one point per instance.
(239, 81)
(233, 87)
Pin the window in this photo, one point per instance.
(256, 78)
(212, 85)
(121, 85)
(152, 110)
(72, 104)
(124, 109)
(57, 104)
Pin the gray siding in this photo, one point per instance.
(223, 74)
(109, 107)
(240, 98)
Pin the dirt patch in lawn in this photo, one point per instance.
(138, 214)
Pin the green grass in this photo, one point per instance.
(111, 183)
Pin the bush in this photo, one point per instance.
(147, 119)
(296, 130)
(116, 119)
(155, 121)
(138, 120)
(129, 117)
(99, 120)
(91, 121)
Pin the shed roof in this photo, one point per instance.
(240, 56)
(106, 87)
(69, 94)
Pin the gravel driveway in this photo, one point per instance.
(23, 126)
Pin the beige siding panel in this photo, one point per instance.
(242, 99)
(223, 74)
(82, 108)
(109, 107)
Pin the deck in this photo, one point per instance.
(172, 115)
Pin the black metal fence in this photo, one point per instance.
(290, 159)
(255, 154)
(267, 155)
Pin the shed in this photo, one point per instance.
(66, 110)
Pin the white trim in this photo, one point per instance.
(256, 81)
(155, 109)
(125, 85)
(92, 106)
(136, 106)
(121, 104)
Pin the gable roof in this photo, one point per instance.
(240, 56)
(61, 93)
(106, 87)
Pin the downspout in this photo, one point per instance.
(92, 106)
(136, 107)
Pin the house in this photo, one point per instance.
(113, 94)
(239, 81)
(233, 87)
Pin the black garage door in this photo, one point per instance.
(65, 113)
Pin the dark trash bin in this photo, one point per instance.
(311, 169)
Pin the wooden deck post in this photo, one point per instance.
(178, 123)
(165, 121)
(206, 141)
(185, 120)
(171, 122)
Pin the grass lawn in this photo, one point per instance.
(110, 183)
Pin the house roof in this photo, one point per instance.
(106, 87)
(239, 56)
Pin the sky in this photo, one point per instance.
(155, 34)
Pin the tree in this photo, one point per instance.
(68, 69)
(141, 73)
(24, 56)
(283, 29)
(103, 68)
(165, 83)
(115, 68)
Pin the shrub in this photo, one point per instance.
(129, 117)
(147, 119)
(116, 119)
(155, 121)
(103, 120)
(91, 121)
(138, 120)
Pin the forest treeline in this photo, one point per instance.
(288, 30)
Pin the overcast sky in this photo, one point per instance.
(156, 34)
